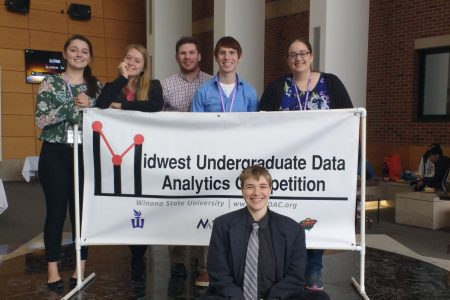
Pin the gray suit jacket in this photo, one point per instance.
(227, 251)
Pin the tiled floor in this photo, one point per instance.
(399, 265)
(388, 276)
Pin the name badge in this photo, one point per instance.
(70, 136)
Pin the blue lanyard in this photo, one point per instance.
(221, 95)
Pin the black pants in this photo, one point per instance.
(57, 180)
(311, 295)
(304, 295)
(137, 253)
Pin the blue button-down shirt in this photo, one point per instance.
(207, 98)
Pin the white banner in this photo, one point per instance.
(162, 178)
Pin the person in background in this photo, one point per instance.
(60, 100)
(370, 171)
(178, 90)
(441, 165)
(255, 253)
(426, 167)
(226, 92)
(133, 90)
(305, 89)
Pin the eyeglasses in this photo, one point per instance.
(302, 54)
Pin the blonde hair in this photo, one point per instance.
(143, 84)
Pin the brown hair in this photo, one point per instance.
(91, 80)
(255, 171)
(308, 45)
(228, 42)
(186, 40)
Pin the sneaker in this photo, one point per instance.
(314, 282)
(203, 279)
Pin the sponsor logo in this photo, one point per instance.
(138, 221)
(204, 224)
(308, 223)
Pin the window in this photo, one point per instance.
(434, 84)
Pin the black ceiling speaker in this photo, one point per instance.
(18, 6)
(79, 11)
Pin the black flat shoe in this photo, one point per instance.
(72, 282)
(56, 286)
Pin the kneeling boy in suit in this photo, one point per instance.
(255, 253)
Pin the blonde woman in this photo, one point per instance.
(133, 89)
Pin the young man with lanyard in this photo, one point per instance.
(179, 88)
(226, 92)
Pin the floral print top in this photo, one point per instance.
(318, 98)
(55, 110)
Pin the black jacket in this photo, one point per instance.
(112, 92)
(271, 98)
(226, 253)
(441, 168)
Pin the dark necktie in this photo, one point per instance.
(251, 265)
